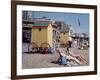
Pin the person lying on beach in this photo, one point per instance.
(75, 54)
(63, 58)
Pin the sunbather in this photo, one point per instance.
(74, 53)
(63, 58)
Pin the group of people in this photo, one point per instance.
(80, 44)
(84, 44)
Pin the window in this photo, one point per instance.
(39, 29)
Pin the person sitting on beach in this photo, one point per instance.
(62, 58)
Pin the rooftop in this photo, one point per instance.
(42, 24)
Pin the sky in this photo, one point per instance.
(72, 19)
